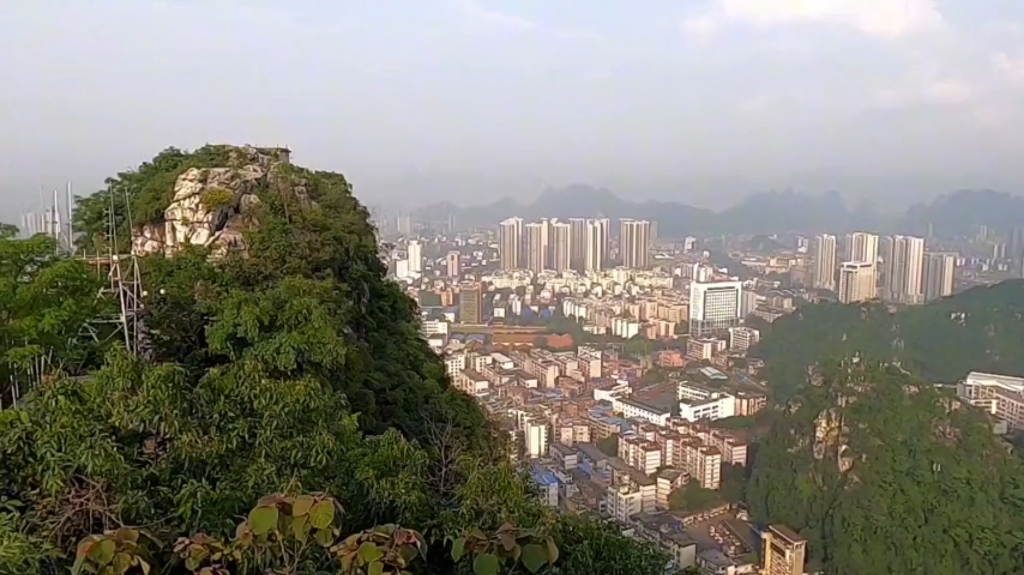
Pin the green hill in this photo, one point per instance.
(280, 360)
(980, 329)
(887, 475)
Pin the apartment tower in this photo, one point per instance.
(784, 551)
(635, 243)
(578, 242)
(596, 245)
(903, 259)
(856, 282)
(537, 246)
(561, 246)
(825, 262)
(939, 271)
(510, 244)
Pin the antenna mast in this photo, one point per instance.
(125, 280)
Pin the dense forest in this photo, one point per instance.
(885, 474)
(980, 329)
(286, 397)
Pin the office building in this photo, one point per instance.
(578, 242)
(510, 244)
(825, 262)
(561, 246)
(714, 307)
(537, 246)
(471, 303)
(856, 282)
(635, 243)
(415, 250)
(596, 245)
(939, 274)
(784, 551)
(903, 270)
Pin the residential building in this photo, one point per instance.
(825, 262)
(452, 264)
(537, 248)
(578, 228)
(741, 338)
(856, 282)
(999, 395)
(939, 272)
(471, 303)
(595, 250)
(510, 244)
(635, 243)
(784, 551)
(561, 246)
(903, 270)
(415, 252)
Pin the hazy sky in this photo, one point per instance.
(700, 101)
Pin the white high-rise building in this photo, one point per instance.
(535, 436)
(856, 282)
(904, 270)
(537, 247)
(715, 306)
(939, 272)
(510, 244)
(862, 247)
(561, 246)
(415, 249)
(635, 243)
(578, 241)
(825, 262)
(596, 247)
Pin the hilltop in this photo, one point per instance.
(283, 367)
(980, 329)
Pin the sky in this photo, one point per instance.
(701, 101)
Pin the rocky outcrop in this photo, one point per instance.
(212, 207)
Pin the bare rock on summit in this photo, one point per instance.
(212, 207)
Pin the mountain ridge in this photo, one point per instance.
(956, 213)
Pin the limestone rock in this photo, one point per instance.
(212, 206)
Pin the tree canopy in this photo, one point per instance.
(886, 474)
(292, 368)
(976, 330)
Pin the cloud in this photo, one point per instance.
(1009, 67)
(496, 18)
(879, 18)
(700, 28)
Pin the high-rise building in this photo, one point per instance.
(415, 250)
(939, 273)
(856, 282)
(578, 240)
(452, 264)
(784, 551)
(903, 261)
(510, 244)
(561, 246)
(596, 247)
(635, 243)
(537, 246)
(862, 247)
(825, 262)
(471, 303)
(714, 307)
(606, 225)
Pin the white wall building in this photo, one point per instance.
(714, 306)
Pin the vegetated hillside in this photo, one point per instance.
(281, 360)
(980, 329)
(885, 474)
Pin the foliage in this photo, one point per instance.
(976, 330)
(49, 311)
(609, 445)
(214, 199)
(899, 482)
(692, 498)
(293, 534)
(292, 364)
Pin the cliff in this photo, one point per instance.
(212, 206)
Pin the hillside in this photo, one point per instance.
(886, 475)
(977, 330)
(280, 361)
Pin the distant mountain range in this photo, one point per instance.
(958, 213)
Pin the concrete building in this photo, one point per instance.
(856, 282)
(635, 243)
(510, 244)
(471, 303)
(825, 247)
(595, 250)
(715, 306)
(537, 248)
(903, 270)
(415, 251)
(453, 264)
(561, 246)
(784, 551)
(939, 275)
(999, 395)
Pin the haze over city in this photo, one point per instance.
(469, 101)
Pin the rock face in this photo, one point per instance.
(213, 206)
